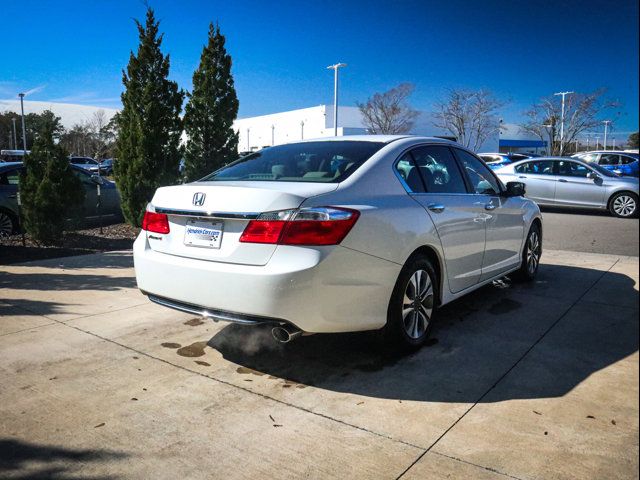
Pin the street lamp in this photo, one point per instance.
(248, 143)
(24, 130)
(15, 138)
(335, 95)
(606, 124)
(562, 120)
(273, 128)
(301, 129)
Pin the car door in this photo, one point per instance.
(538, 177)
(502, 216)
(574, 188)
(90, 192)
(434, 179)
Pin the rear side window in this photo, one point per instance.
(624, 160)
(438, 169)
(481, 178)
(11, 177)
(541, 167)
(326, 162)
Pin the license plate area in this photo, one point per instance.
(203, 233)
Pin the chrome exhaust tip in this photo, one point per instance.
(284, 334)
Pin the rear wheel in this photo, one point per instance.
(624, 205)
(8, 224)
(531, 254)
(412, 304)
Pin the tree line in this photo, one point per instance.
(472, 116)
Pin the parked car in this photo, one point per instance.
(497, 160)
(9, 182)
(571, 182)
(620, 162)
(106, 166)
(88, 164)
(12, 155)
(334, 235)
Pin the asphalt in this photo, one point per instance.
(519, 381)
(590, 231)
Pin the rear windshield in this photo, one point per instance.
(328, 162)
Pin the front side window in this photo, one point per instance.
(571, 169)
(482, 180)
(326, 162)
(438, 169)
(538, 167)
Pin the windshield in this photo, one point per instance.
(328, 162)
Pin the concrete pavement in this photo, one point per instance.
(519, 381)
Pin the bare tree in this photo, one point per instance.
(469, 115)
(389, 112)
(583, 112)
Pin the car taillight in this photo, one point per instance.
(308, 226)
(155, 222)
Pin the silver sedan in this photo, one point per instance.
(570, 182)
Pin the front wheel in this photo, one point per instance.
(412, 304)
(8, 224)
(624, 205)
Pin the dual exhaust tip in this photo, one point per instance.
(285, 333)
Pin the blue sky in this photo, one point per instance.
(74, 51)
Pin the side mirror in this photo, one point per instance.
(97, 179)
(593, 175)
(515, 189)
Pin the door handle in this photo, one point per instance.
(522, 176)
(436, 207)
(562, 180)
(489, 206)
(13, 196)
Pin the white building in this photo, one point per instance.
(315, 122)
(284, 127)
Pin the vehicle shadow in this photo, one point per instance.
(475, 342)
(576, 211)
(22, 460)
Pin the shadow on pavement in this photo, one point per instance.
(475, 341)
(22, 460)
(56, 281)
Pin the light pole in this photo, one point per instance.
(587, 142)
(301, 129)
(273, 128)
(614, 142)
(15, 138)
(562, 120)
(248, 143)
(597, 141)
(24, 130)
(335, 95)
(606, 125)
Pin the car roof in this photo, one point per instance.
(375, 138)
(9, 165)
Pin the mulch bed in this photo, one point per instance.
(119, 236)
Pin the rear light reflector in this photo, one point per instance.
(308, 226)
(155, 222)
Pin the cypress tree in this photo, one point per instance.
(49, 190)
(211, 109)
(148, 147)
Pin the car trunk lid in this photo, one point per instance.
(206, 219)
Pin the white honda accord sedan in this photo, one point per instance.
(337, 235)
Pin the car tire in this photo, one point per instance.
(410, 317)
(531, 254)
(624, 205)
(8, 223)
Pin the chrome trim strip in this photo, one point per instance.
(215, 315)
(200, 214)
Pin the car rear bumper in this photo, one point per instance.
(317, 289)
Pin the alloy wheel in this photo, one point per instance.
(533, 252)
(6, 225)
(417, 304)
(624, 205)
